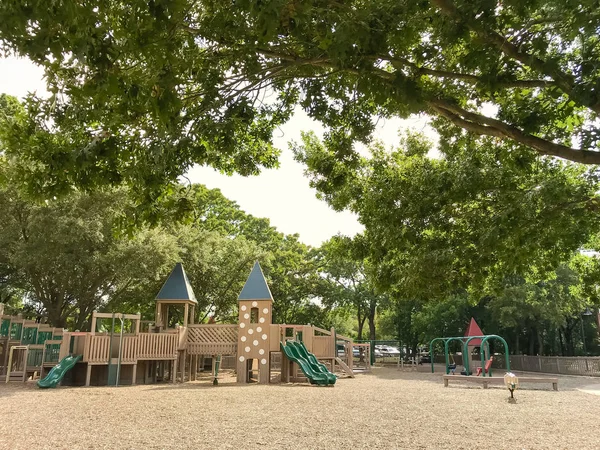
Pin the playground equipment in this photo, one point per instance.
(466, 343)
(487, 368)
(28, 347)
(124, 353)
(58, 372)
(473, 338)
(512, 382)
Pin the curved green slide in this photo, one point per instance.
(316, 373)
(58, 372)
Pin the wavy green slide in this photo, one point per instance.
(316, 372)
(58, 372)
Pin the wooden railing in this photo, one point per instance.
(157, 346)
(322, 331)
(129, 349)
(203, 339)
(323, 346)
(97, 349)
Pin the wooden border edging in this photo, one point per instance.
(486, 381)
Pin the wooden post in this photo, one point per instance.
(186, 312)
(134, 374)
(93, 325)
(88, 374)
(174, 371)
(192, 314)
(157, 315)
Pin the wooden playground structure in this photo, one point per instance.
(121, 349)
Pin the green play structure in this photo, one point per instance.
(58, 372)
(465, 340)
(316, 372)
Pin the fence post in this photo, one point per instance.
(557, 365)
(539, 363)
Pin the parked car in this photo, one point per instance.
(388, 351)
(425, 359)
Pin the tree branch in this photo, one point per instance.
(563, 80)
(398, 63)
(483, 125)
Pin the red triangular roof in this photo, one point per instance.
(474, 330)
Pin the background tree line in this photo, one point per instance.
(489, 222)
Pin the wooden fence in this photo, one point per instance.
(561, 365)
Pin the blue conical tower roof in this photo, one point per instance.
(256, 287)
(177, 287)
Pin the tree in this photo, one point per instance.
(66, 258)
(217, 267)
(291, 269)
(142, 90)
(351, 282)
(465, 221)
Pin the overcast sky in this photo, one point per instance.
(282, 195)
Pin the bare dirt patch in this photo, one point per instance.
(384, 409)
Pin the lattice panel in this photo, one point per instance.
(211, 349)
(212, 339)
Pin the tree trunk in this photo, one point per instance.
(361, 325)
(372, 310)
(569, 341)
(540, 336)
(531, 342)
(517, 350)
(55, 317)
(561, 342)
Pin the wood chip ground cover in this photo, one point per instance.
(387, 408)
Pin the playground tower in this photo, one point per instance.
(176, 292)
(255, 305)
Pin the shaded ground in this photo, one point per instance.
(385, 409)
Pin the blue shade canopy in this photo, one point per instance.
(256, 287)
(177, 287)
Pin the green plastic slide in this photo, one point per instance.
(58, 372)
(322, 368)
(314, 372)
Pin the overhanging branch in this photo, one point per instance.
(480, 124)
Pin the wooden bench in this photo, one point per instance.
(486, 381)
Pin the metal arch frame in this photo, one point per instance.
(431, 350)
(447, 341)
(484, 340)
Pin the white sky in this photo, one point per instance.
(281, 195)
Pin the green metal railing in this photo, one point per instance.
(44, 336)
(15, 331)
(29, 335)
(4, 327)
(52, 353)
(34, 357)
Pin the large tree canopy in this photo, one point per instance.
(464, 221)
(143, 89)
